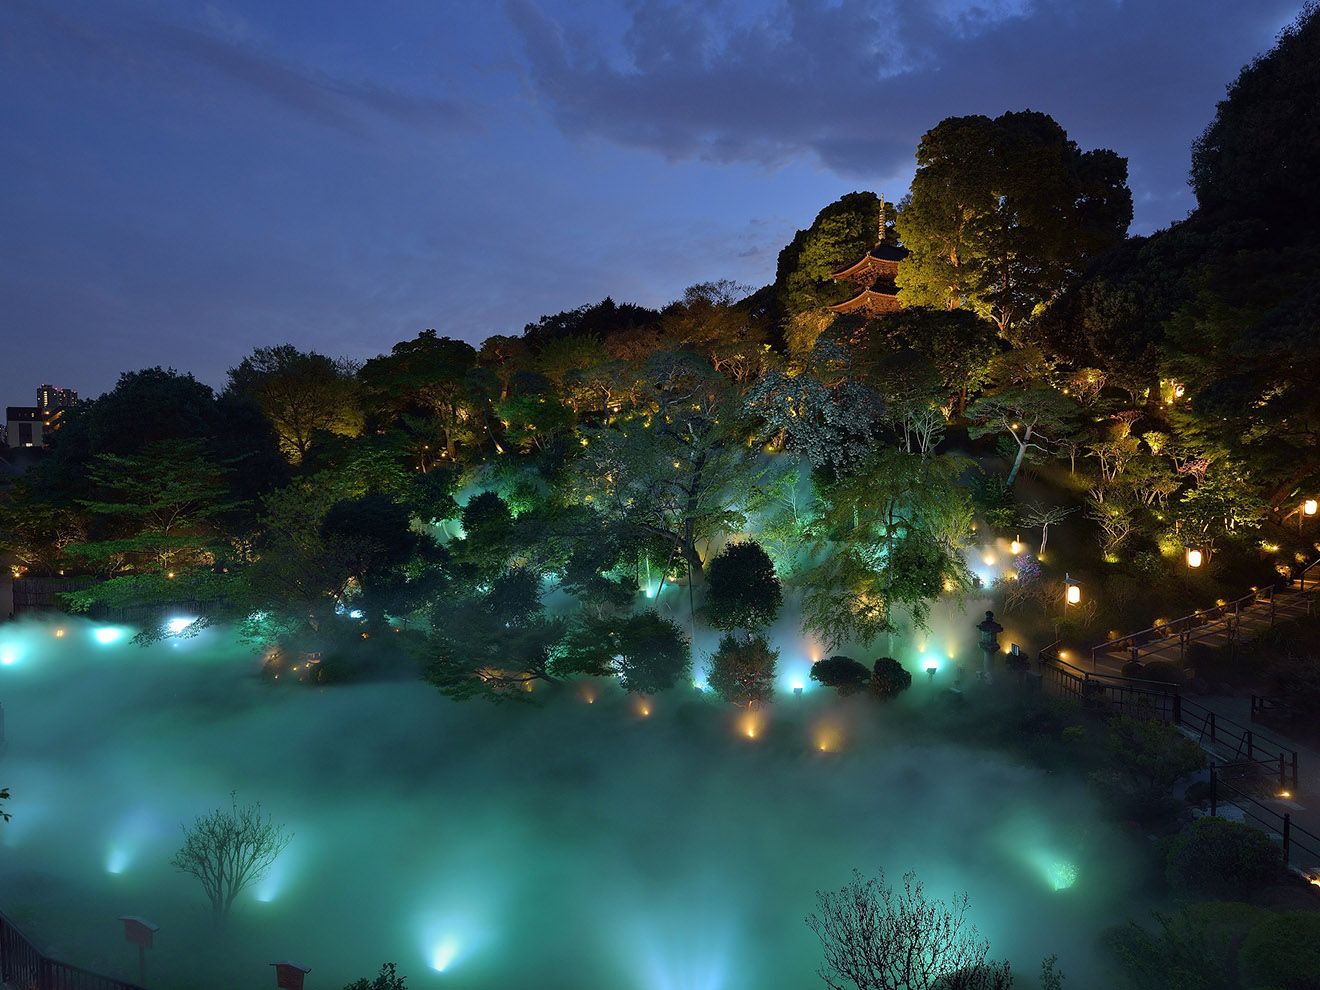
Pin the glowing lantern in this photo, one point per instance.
(1309, 507)
(1194, 557)
(1074, 594)
(1015, 546)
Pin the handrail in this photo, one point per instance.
(1280, 822)
(24, 967)
(1167, 699)
(1229, 612)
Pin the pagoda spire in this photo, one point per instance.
(881, 238)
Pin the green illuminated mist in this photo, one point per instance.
(573, 845)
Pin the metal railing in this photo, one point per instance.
(24, 967)
(1188, 627)
(1113, 693)
(1301, 848)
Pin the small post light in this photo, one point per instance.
(930, 671)
(289, 976)
(797, 690)
(138, 931)
(1073, 593)
(1016, 545)
(1309, 507)
(1195, 556)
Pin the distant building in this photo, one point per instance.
(31, 426)
(50, 397)
(874, 273)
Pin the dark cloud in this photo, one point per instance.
(855, 83)
(155, 53)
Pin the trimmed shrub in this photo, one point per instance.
(842, 673)
(1165, 671)
(1223, 859)
(889, 678)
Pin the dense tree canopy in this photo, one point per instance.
(1004, 212)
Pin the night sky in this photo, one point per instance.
(181, 182)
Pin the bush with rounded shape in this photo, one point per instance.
(1283, 952)
(1219, 858)
(742, 671)
(889, 678)
(1134, 668)
(1164, 671)
(840, 672)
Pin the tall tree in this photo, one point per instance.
(1004, 212)
(1260, 156)
(841, 233)
(300, 393)
(1028, 415)
(426, 375)
(890, 537)
(742, 589)
(680, 467)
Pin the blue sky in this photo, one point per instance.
(181, 182)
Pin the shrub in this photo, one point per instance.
(842, 673)
(889, 678)
(1194, 948)
(1219, 858)
(387, 979)
(1164, 671)
(1284, 952)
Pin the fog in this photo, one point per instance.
(589, 841)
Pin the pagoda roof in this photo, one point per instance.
(870, 301)
(882, 257)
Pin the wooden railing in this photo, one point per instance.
(24, 967)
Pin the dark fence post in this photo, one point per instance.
(1177, 708)
(1294, 770)
(1212, 727)
(1250, 754)
(1282, 785)
(1287, 836)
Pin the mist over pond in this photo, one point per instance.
(569, 844)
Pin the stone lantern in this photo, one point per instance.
(990, 630)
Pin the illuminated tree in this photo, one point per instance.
(960, 344)
(1028, 415)
(844, 674)
(679, 469)
(300, 393)
(1004, 212)
(742, 589)
(890, 537)
(889, 678)
(227, 851)
(647, 652)
(428, 376)
(742, 671)
(821, 414)
(877, 938)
